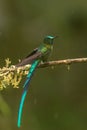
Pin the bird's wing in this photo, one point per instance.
(26, 86)
(35, 54)
(32, 53)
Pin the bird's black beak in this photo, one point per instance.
(55, 37)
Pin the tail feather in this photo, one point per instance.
(26, 86)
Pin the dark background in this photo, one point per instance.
(57, 99)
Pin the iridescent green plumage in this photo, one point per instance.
(39, 54)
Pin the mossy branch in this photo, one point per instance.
(12, 75)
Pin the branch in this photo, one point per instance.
(12, 75)
(65, 62)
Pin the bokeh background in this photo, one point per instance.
(57, 99)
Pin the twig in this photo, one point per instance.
(66, 62)
(12, 75)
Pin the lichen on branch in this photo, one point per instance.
(12, 76)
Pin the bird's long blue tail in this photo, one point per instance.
(26, 86)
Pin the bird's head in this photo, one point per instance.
(49, 39)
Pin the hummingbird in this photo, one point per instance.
(38, 55)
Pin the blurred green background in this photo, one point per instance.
(57, 99)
